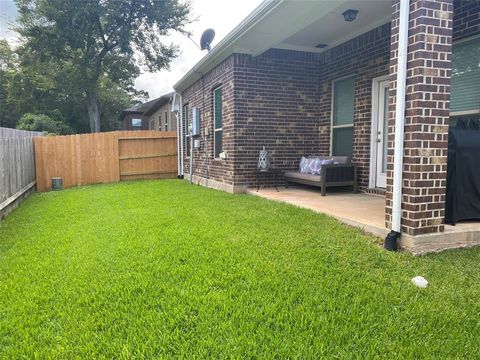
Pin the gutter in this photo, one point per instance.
(391, 241)
(257, 15)
(179, 153)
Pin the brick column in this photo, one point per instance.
(426, 115)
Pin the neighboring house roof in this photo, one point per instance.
(292, 25)
(149, 107)
(158, 103)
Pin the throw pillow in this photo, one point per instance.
(318, 165)
(310, 167)
(303, 165)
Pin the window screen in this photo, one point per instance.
(218, 120)
(465, 90)
(342, 117)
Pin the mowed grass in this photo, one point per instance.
(159, 269)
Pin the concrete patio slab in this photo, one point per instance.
(367, 212)
(360, 210)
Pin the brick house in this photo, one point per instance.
(298, 78)
(155, 114)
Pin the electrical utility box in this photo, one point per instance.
(195, 121)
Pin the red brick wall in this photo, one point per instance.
(200, 95)
(276, 106)
(283, 101)
(466, 18)
(426, 115)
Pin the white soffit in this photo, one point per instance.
(331, 29)
(293, 24)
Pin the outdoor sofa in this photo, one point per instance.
(334, 171)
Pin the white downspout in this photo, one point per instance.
(179, 141)
(399, 121)
(182, 137)
(190, 134)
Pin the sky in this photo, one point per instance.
(220, 15)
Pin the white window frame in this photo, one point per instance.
(166, 121)
(466, 112)
(332, 109)
(187, 130)
(214, 122)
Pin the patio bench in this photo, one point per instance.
(341, 173)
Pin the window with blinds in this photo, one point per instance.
(342, 116)
(218, 121)
(186, 127)
(465, 89)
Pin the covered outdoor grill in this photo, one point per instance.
(463, 174)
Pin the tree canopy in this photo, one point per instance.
(85, 55)
(29, 85)
(41, 122)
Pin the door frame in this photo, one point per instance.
(373, 133)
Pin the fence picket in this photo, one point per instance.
(99, 158)
(17, 165)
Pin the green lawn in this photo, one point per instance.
(159, 269)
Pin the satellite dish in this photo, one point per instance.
(206, 39)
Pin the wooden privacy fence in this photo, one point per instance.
(105, 157)
(17, 167)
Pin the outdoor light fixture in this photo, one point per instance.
(350, 15)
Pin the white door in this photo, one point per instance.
(380, 135)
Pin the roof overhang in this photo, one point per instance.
(148, 108)
(158, 103)
(294, 25)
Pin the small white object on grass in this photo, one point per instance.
(420, 281)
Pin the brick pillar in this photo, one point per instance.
(426, 115)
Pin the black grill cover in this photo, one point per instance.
(463, 172)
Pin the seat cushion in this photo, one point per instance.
(340, 159)
(302, 176)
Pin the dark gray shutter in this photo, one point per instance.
(218, 101)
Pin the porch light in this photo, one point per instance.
(350, 15)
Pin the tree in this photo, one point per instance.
(30, 84)
(102, 38)
(8, 69)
